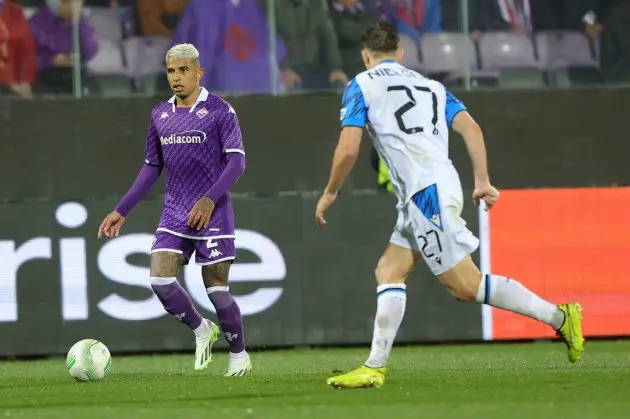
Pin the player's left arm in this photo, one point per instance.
(463, 123)
(232, 147)
(234, 153)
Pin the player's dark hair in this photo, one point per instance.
(382, 37)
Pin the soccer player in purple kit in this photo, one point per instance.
(194, 136)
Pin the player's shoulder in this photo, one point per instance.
(218, 103)
(160, 108)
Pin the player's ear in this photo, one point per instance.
(400, 54)
(366, 58)
(201, 73)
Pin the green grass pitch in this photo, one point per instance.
(532, 381)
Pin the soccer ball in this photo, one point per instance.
(88, 360)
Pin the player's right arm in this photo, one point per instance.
(148, 175)
(463, 123)
(353, 117)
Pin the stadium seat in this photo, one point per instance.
(145, 59)
(108, 60)
(106, 22)
(560, 49)
(450, 53)
(507, 50)
(411, 58)
(513, 55)
(446, 52)
(145, 55)
(109, 69)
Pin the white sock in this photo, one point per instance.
(203, 330)
(508, 294)
(242, 354)
(390, 310)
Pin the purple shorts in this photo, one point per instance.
(207, 251)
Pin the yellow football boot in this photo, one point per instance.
(571, 330)
(361, 377)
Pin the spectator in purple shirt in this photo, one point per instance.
(52, 28)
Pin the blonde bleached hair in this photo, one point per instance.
(183, 51)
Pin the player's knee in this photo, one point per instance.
(386, 274)
(216, 275)
(165, 264)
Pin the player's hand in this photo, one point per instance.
(62, 60)
(326, 200)
(290, 78)
(200, 215)
(111, 225)
(338, 76)
(487, 192)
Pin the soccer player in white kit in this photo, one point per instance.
(408, 117)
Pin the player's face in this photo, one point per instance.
(183, 76)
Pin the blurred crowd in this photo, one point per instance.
(46, 44)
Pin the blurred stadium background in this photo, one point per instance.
(547, 80)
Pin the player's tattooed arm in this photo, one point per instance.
(216, 275)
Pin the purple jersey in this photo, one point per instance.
(191, 144)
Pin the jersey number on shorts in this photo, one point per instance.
(426, 239)
(410, 105)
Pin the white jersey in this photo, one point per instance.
(408, 116)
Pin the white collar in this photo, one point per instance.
(203, 96)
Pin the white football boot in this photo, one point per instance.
(239, 365)
(206, 335)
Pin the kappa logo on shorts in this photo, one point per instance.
(215, 253)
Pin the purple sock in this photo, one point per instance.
(176, 301)
(230, 318)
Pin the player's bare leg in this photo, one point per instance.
(164, 269)
(215, 278)
(391, 272)
(465, 282)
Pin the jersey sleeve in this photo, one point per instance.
(453, 107)
(230, 132)
(153, 151)
(353, 109)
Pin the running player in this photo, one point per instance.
(195, 136)
(409, 117)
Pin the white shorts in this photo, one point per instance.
(430, 223)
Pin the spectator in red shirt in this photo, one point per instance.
(18, 54)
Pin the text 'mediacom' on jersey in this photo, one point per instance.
(186, 137)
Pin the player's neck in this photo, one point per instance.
(188, 101)
(385, 59)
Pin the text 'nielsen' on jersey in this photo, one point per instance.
(190, 143)
(408, 117)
